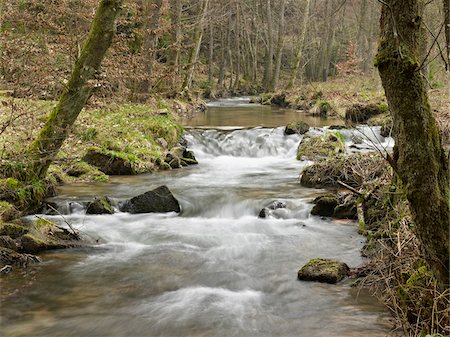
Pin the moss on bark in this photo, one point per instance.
(420, 161)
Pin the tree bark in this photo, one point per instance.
(279, 49)
(152, 12)
(46, 145)
(420, 161)
(175, 18)
(269, 50)
(198, 36)
(446, 4)
(300, 46)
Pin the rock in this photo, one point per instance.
(8, 212)
(159, 200)
(8, 242)
(108, 162)
(266, 211)
(100, 205)
(9, 257)
(323, 270)
(359, 113)
(347, 207)
(296, 127)
(338, 127)
(325, 205)
(13, 230)
(162, 142)
(321, 146)
(279, 100)
(183, 142)
(179, 156)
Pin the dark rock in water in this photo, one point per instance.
(266, 211)
(340, 206)
(323, 270)
(338, 127)
(279, 100)
(9, 257)
(100, 205)
(183, 142)
(49, 208)
(159, 200)
(359, 113)
(325, 205)
(296, 127)
(108, 163)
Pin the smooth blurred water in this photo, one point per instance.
(216, 269)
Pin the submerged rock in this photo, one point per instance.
(100, 205)
(268, 210)
(159, 200)
(296, 127)
(323, 270)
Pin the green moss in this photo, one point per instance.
(325, 145)
(13, 230)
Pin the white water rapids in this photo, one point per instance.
(214, 270)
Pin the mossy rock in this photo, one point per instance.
(109, 162)
(327, 172)
(100, 205)
(360, 113)
(179, 156)
(13, 230)
(299, 127)
(323, 270)
(321, 146)
(324, 205)
(8, 211)
(279, 99)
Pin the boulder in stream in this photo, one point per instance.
(9, 257)
(180, 156)
(100, 205)
(159, 200)
(324, 270)
(109, 162)
(324, 205)
(296, 127)
(268, 210)
(320, 146)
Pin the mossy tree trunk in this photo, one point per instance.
(46, 145)
(446, 7)
(420, 161)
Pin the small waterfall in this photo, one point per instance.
(254, 143)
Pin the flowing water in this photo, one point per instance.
(214, 270)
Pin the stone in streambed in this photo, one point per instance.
(100, 205)
(296, 127)
(324, 205)
(323, 270)
(268, 210)
(159, 200)
(9, 257)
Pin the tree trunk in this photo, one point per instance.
(279, 51)
(152, 12)
(420, 161)
(198, 35)
(269, 50)
(175, 18)
(301, 43)
(46, 145)
(447, 31)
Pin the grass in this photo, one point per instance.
(128, 131)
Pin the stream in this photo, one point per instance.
(216, 269)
